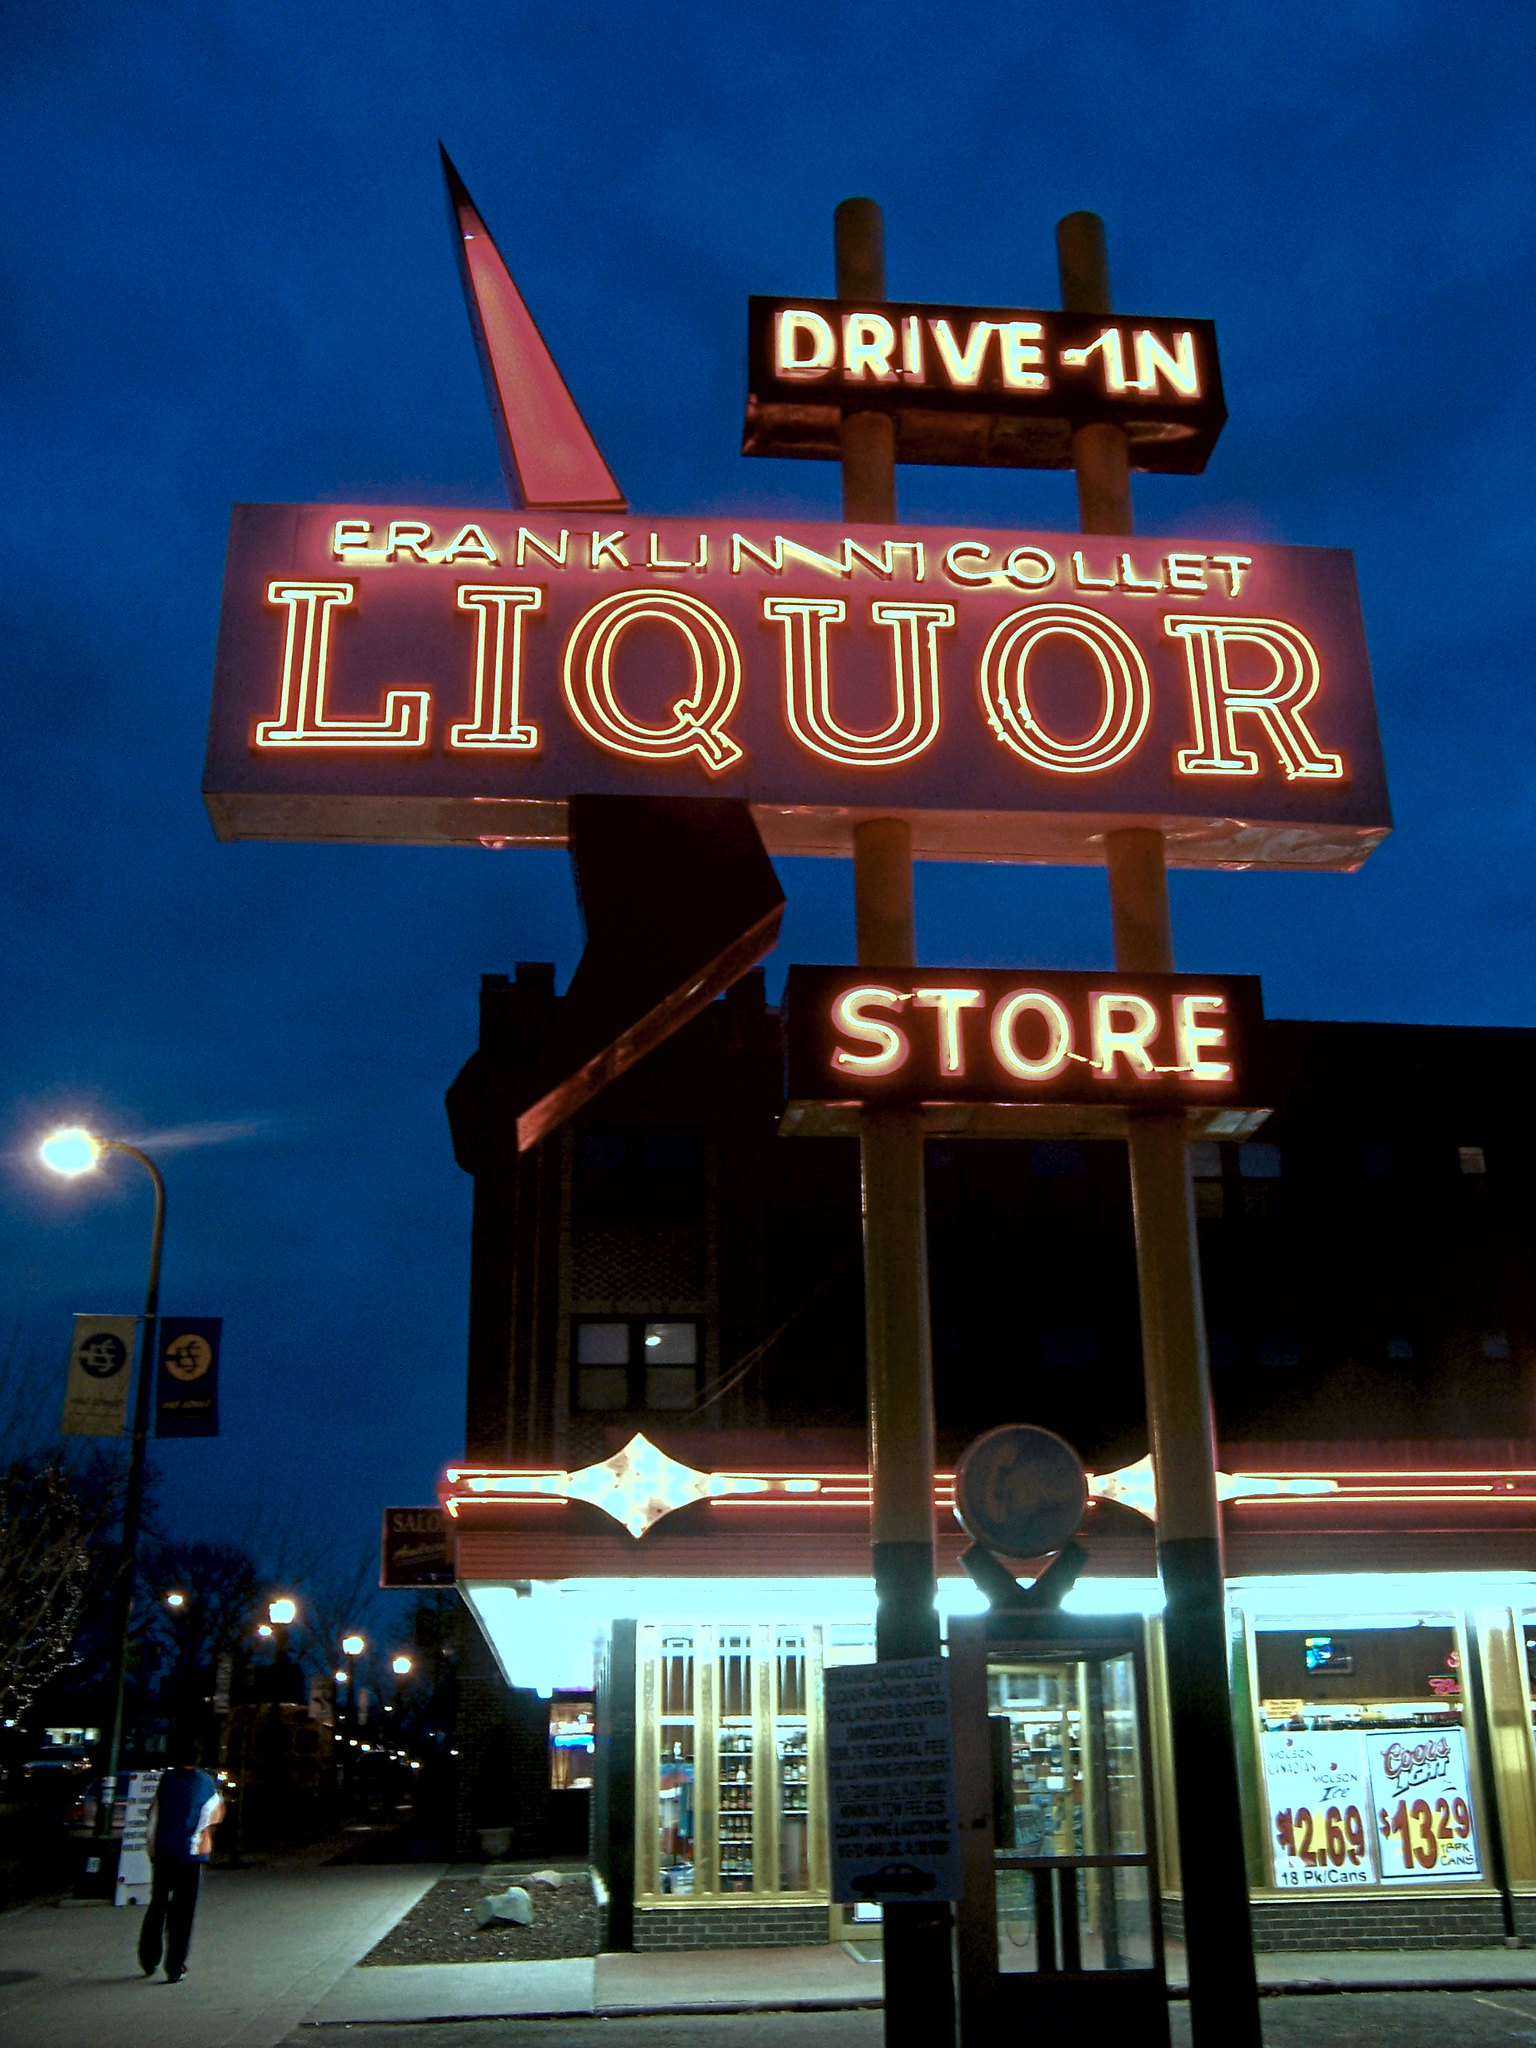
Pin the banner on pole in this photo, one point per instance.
(100, 1367)
(187, 1376)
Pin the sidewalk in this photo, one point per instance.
(268, 1944)
(277, 1949)
(823, 1978)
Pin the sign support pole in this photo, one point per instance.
(918, 1941)
(1223, 1988)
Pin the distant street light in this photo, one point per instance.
(340, 1677)
(400, 1666)
(72, 1152)
(353, 1646)
(177, 1600)
(282, 1611)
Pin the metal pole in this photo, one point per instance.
(918, 1939)
(122, 1603)
(1223, 1990)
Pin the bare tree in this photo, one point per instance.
(50, 1520)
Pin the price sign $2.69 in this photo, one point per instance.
(1329, 1839)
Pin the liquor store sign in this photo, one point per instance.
(396, 674)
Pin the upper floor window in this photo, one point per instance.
(1473, 1158)
(625, 1363)
(639, 1173)
(1259, 1162)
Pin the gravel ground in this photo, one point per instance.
(441, 1928)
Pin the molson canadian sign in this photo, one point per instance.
(413, 674)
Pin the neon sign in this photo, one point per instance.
(414, 675)
(1024, 1037)
(995, 386)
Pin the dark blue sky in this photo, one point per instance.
(227, 275)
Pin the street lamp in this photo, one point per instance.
(400, 1666)
(73, 1152)
(282, 1611)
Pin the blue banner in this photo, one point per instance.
(187, 1375)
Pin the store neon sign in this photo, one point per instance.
(857, 1036)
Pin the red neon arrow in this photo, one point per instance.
(548, 454)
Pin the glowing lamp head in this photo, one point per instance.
(70, 1152)
(175, 1599)
(281, 1612)
(352, 1646)
(400, 1666)
(264, 1628)
(340, 1677)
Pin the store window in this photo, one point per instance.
(1366, 1765)
(630, 1363)
(572, 1734)
(730, 1803)
(1205, 1171)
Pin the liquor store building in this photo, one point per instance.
(661, 1520)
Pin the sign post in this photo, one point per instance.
(919, 1975)
(1223, 1988)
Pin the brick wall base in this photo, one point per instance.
(1375, 1919)
(753, 1926)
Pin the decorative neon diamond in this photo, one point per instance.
(640, 1484)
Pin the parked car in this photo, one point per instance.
(54, 1774)
(82, 1815)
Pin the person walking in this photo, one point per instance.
(186, 1809)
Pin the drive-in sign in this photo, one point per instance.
(419, 675)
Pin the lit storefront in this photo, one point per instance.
(1384, 1717)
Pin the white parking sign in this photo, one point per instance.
(891, 1782)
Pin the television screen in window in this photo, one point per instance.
(1329, 1657)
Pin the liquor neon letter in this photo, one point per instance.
(1191, 1038)
(890, 1043)
(808, 682)
(1110, 1041)
(1217, 700)
(303, 719)
(1004, 685)
(1058, 1035)
(949, 1002)
(699, 718)
(499, 681)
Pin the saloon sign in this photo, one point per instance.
(410, 674)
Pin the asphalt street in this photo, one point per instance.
(1340, 2020)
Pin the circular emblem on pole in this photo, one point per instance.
(102, 1355)
(188, 1357)
(1021, 1491)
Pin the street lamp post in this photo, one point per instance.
(352, 1647)
(74, 1152)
